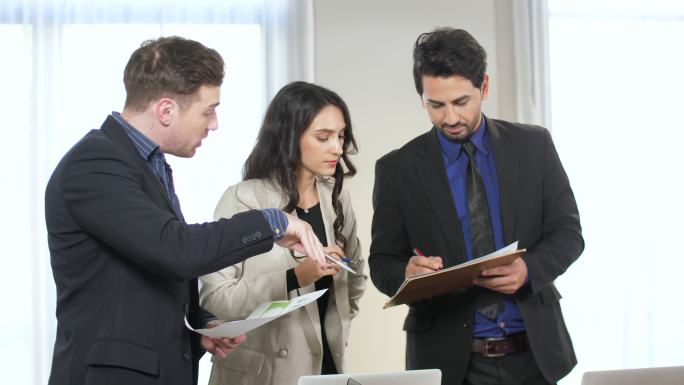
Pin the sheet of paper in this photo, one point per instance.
(504, 250)
(263, 314)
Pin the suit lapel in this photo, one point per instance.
(114, 131)
(432, 176)
(507, 168)
(327, 211)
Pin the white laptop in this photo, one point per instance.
(410, 377)
(671, 375)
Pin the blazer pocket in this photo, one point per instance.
(417, 321)
(124, 354)
(242, 360)
(550, 295)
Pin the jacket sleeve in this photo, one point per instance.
(356, 282)
(561, 242)
(228, 293)
(104, 193)
(389, 251)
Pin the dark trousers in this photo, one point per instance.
(513, 369)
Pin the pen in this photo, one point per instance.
(338, 263)
(416, 251)
(345, 259)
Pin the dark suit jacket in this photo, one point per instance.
(414, 208)
(125, 266)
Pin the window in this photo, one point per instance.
(62, 72)
(615, 83)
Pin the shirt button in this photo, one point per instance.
(282, 353)
(186, 356)
(502, 325)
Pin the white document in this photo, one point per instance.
(504, 250)
(263, 314)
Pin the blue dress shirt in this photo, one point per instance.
(509, 320)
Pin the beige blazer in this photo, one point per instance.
(289, 347)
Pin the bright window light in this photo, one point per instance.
(52, 97)
(616, 78)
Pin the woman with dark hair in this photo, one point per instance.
(298, 164)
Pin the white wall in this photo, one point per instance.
(364, 53)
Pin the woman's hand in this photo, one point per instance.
(309, 271)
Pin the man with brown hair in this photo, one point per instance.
(124, 261)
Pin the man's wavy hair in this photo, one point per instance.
(171, 67)
(446, 52)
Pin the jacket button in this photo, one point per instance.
(466, 324)
(186, 356)
(282, 353)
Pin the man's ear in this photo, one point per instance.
(484, 88)
(166, 110)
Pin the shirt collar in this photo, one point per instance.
(145, 146)
(452, 150)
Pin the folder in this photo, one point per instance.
(430, 285)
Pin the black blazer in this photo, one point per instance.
(125, 266)
(414, 208)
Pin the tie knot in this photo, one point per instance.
(469, 148)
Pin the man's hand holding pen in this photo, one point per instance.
(419, 263)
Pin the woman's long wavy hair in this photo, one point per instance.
(277, 155)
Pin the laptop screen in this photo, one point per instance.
(411, 377)
(672, 375)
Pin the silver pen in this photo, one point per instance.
(339, 263)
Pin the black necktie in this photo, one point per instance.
(487, 302)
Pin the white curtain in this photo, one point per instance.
(61, 74)
(289, 36)
(523, 61)
(531, 44)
